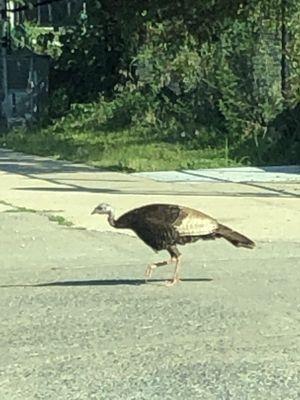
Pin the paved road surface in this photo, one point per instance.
(78, 322)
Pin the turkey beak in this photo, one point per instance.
(94, 211)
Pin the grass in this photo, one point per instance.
(53, 218)
(123, 150)
(60, 220)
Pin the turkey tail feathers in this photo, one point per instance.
(234, 237)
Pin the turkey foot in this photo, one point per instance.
(172, 282)
(176, 273)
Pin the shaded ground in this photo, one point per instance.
(77, 322)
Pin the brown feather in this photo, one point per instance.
(235, 238)
(163, 225)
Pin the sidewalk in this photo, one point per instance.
(262, 210)
(238, 174)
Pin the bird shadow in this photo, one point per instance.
(105, 282)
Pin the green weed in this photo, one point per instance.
(60, 220)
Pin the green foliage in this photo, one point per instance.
(86, 135)
(58, 104)
(169, 94)
(178, 76)
(90, 57)
(36, 38)
(282, 141)
(250, 97)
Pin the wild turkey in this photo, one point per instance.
(163, 226)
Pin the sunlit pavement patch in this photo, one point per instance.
(240, 174)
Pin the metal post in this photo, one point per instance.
(4, 23)
(284, 41)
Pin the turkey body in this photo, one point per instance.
(163, 226)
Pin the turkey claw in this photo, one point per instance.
(172, 282)
(149, 270)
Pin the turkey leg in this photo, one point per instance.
(153, 266)
(175, 278)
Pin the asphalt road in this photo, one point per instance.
(78, 322)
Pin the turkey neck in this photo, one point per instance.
(111, 219)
